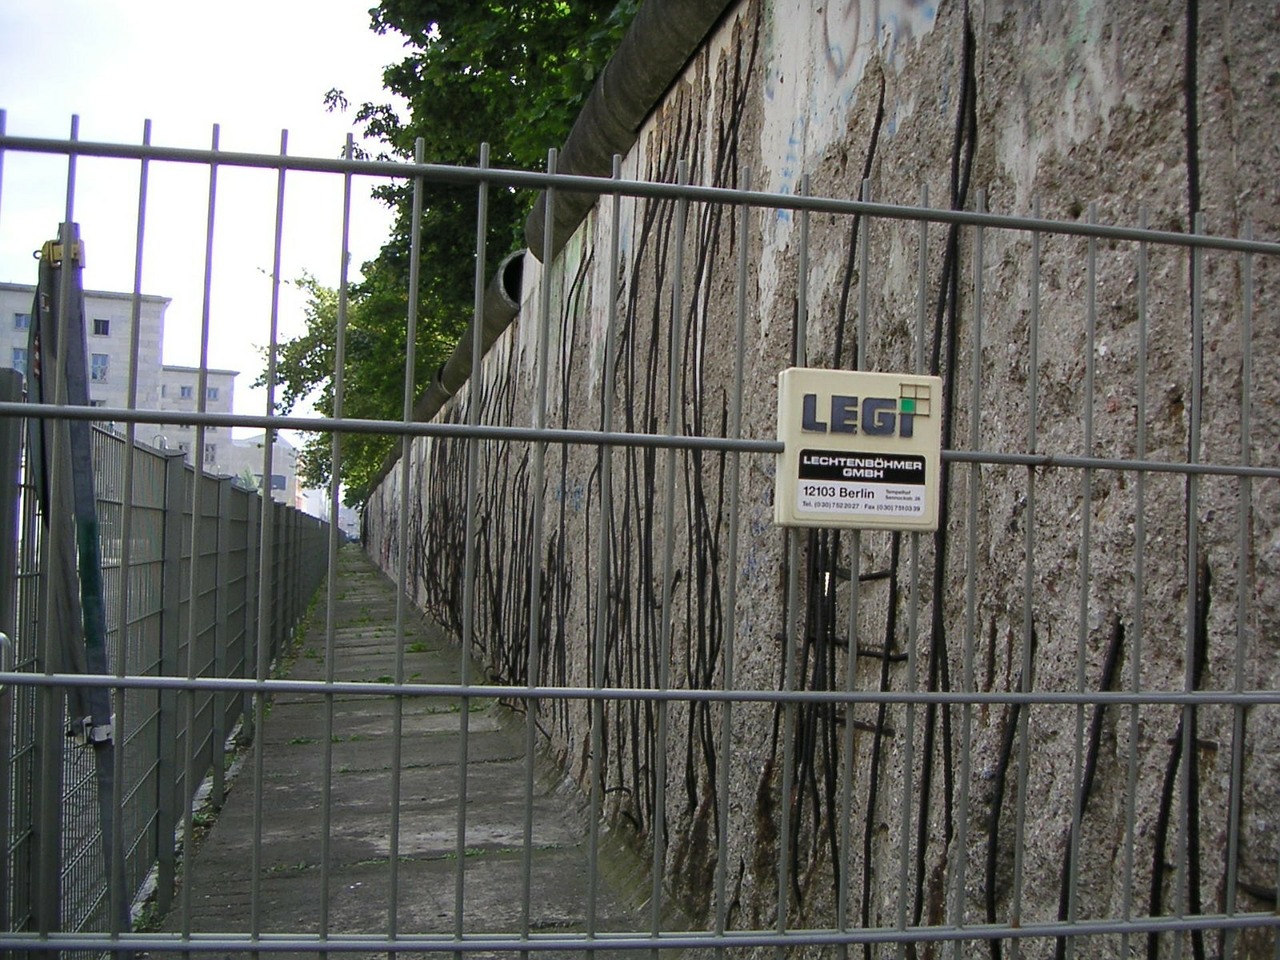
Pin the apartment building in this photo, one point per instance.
(109, 331)
(161, 386)
(245, 456)
(180, 391)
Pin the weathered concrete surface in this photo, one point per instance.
(292, 877)
(1068, 580)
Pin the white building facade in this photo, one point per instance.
(108, 320)
(244, 458)
(109, 333)
(180, 391)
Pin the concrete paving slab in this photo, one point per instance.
(289, 826)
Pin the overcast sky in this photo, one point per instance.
(253, 68)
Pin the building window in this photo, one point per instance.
(21, 321)
(99, 364)
(20, 360)
(101, 328)
(97, 403)
(277, 481)
(184, 393)
(210, 452)
(211, 393)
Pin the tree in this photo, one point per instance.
(511, 75)
(373, 387)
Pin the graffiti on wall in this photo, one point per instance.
(873, 793)
(816, 68)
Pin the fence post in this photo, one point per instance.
(295, 566)
(282, 570)
(167, 725)
(221, 639)
(280, 573)
(253, 517)
(50, 761)
(10, 464)
(272, 556)
(291, 547)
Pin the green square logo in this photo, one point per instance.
(914, 400)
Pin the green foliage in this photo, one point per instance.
(373, 381)
(511, 75)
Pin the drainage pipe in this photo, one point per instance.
(501, 304)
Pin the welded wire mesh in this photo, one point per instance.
(151, 792)
(166, 534)
(1044, 730)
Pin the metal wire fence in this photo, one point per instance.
(1005, 736)
(169, 739)
(923, 741)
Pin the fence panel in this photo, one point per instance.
(996, 736)
(1047, 727)
(168, 740)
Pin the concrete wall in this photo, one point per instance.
(1078, 108)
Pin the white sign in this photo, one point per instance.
(861, 450)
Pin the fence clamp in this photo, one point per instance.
(86, 733)
(52, 252)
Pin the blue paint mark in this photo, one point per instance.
(574, 497)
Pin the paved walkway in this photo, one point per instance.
(292, 808)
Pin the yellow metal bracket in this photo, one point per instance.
(51, 252)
